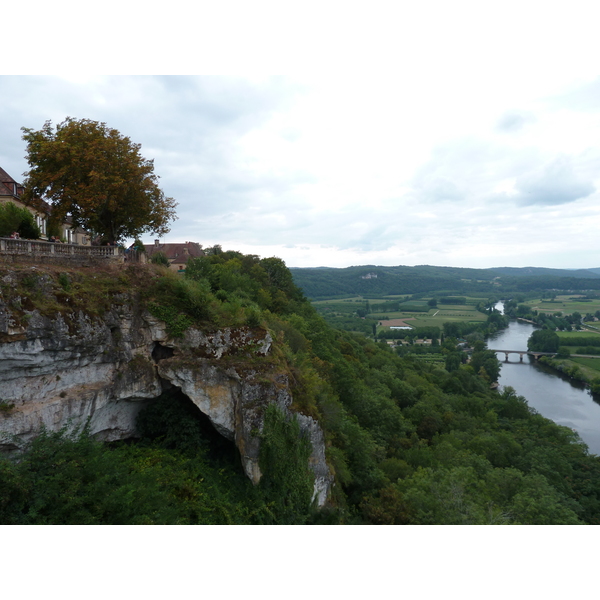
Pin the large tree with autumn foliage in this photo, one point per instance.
(98, 177)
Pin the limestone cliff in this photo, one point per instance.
(70, 367)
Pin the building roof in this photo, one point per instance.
(8, 186)
(177, 253)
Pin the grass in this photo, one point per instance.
(566, 336)
(589, 366)
(63, 288)
(571, 334)
(434, 359)
(565, 305)
(434, 317)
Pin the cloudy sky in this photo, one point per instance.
(451, 134)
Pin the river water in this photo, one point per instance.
(551, 394)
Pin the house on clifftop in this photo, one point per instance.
(177, 254)
(11, 191)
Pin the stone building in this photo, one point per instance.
(177, 253)
(11, 191)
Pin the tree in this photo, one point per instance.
(96, 176)
(453, 361)
(543, 340)
(486, 360)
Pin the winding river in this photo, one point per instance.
(552, 395)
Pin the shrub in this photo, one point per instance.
(159, 258)
(287, 479)
(14, 218)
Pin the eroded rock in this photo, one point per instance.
(74, 368)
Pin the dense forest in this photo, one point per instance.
(377, 281)
(409, 442)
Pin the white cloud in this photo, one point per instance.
(554, 183)
(512, 121)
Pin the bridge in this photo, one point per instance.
(537, 354)
(522, 353)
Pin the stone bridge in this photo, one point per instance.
(522, 353)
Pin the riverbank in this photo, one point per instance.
(576, 370)
(554, 395)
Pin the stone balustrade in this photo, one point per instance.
(42, 248)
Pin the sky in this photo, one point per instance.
(454, 134)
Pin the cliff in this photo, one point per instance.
(100, 357)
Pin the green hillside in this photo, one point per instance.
(409, 441)
(376, 281)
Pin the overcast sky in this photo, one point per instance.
(443, 134)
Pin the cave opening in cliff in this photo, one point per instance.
(173, 421)
(159, 352)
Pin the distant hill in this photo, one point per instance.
(544, 272)
(377, 281)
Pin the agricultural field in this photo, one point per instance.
(437, 360)
(573, 340)
(338, 307)
(416, 313)
(578, 334)
(565, 304)
(589, 366)
(436, 317)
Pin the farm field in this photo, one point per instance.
(593, 364)
(337, 311)
(435, 317)
(431, 359)
(564, 304)
(579, 334)
(590, 367)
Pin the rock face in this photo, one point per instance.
(72, 368)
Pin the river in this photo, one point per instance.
(551, 394)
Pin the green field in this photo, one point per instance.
(564, 304)
(582, 333)
(337, 310)
(436, 317)
(431, 359)
(590, 366)
(346, 306)
(566, 336)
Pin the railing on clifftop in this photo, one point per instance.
(39, 247)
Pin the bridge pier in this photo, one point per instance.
(536, 354)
